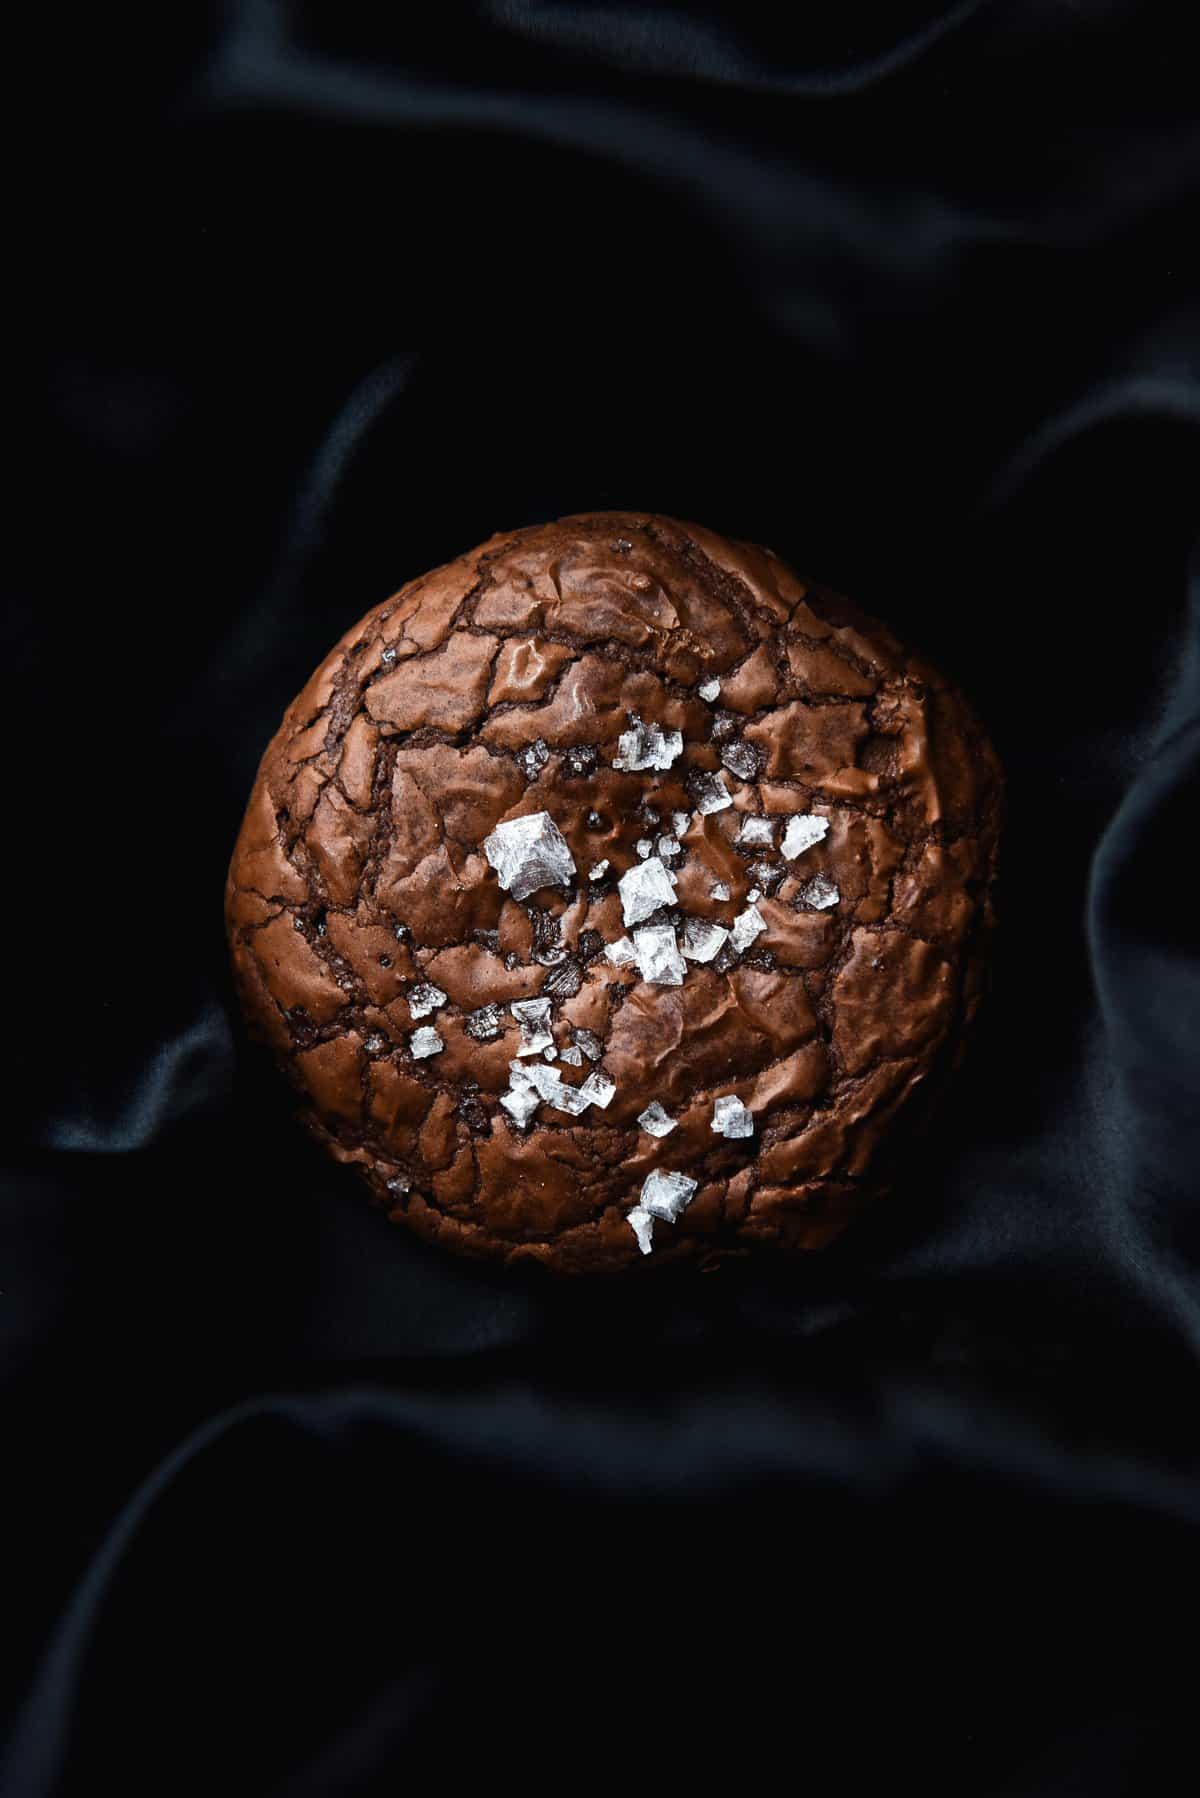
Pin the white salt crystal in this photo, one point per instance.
(425, 998)
(740, 759)
(485, 1023)
(803, 830)
(657, 1122)
(520, 1102)
(425, 1041)
(668, 846)
(621, 953)
(658, 957)
(709, 689)
(533, 759)
(533, 1015)
(549, 1085)
(666, 1195)
(647, 746)
(528, 853)
(599, 871)
(644, 847)
(644, 888)
(820, 893)
(701, 941)
(598, 1089)
(571, 1099)
(746, 926)
(680, 822)
(756, 833)
(642, 1225)
(572, 1056)
(712, 795)
(719, 890)
(730, 1118)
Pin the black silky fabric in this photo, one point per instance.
(294, 1506)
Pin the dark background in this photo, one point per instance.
(293, 1506)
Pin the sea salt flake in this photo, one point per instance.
(667, 846)
(598, 871)
(530, 1011)
(572, 1055)
(719, 890)
(820, 893)
(701, 941)
(657, 1122)
(485, 1023)
(533, 1016)
(666, 1195)
(536, 1077)
(589, 1042)
(746, 926)
(766, 875)
(520, 1102)
(647, 746)
(425, 1041)
(571, 1099)
(528, 853)
(756, 833)
(533, 759)
(598, 1089)
(803, 830)
(680, 822)
(425, 998)
(642, 1225)
(658, 957)
(649, 814)
(709, 689)
(730, 1118)
(550, 1054)
(741, 759)
(712, 795)
(387, 657)
(621, 953)
(399, 1184)
(551, 1088)
(644, 847)
(644, 888)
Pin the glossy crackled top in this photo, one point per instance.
(609, 815)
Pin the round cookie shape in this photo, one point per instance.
(612, 897)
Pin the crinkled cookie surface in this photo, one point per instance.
(611, 897)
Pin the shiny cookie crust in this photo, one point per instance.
(506, 684)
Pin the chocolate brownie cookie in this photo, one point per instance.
(611, 896)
